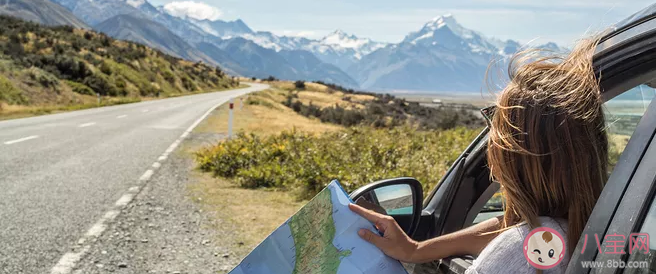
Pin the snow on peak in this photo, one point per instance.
(450, 22)
(343, 39)
(135, 3)
(440, 21)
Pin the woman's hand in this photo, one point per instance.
(394, 242)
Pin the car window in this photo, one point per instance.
(491, 209)
(641, 248)
(622, 116)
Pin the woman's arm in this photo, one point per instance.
(396, 244)
(468, 241)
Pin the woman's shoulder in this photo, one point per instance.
(505, 252)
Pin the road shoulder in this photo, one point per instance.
(165, 229)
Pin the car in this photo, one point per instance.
(625, 64)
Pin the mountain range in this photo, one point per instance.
(440, 56)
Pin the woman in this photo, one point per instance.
(547, 148)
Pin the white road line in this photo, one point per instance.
(146, 176)
(21, 140)
(70, 259)
(87, 124)
(121, 116)
(124, 200)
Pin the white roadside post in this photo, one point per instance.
(241, 103)
(230, 118)
(98, 98)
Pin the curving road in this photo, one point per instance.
(61, 173)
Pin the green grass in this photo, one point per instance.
(9, 93)
(306, 163)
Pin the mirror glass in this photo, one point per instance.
(395, 199)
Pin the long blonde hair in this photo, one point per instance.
(548, 147)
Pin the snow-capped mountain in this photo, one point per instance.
(446, 32)
(337, 48)
(221, 28)
(339, 40)
(442, 55)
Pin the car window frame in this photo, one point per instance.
(620, 68)
(636, 202)
(621, 181)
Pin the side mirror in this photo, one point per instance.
(400, 198)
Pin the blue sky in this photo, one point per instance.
(561, 21)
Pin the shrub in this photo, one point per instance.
(105, 68)
(388, 111)
(121, 86)
(300, 85)
(43, 78)
(168, 76)
(101, 85)
(80, 88)
(307, 163)
(188, 84)
(10, 94)
(253, 100)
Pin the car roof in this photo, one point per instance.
(625, 45)
(637, 18)
(625, 31)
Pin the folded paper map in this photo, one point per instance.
(320, 238)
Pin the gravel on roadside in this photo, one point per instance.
(165, 229)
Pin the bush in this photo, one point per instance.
(188, 84)
(80, 88)
(168, 76)
(388, 111)
(45, 79)
(10, 94)
(252, 100)
(101, 85)
(300, 85)
(358, 156)
(105, 68)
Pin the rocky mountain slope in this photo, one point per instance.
(41, 11)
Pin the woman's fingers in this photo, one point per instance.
(371, 237)
(367, 214)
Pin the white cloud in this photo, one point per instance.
(191, 9)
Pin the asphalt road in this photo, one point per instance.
(61, 173)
